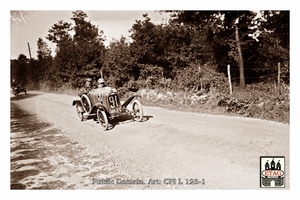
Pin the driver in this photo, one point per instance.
(86, 88)
(101, 83)
(14, 83)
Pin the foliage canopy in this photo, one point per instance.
(184, 53)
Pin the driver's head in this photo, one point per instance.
(88, 81)
(100, 82)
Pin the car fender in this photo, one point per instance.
(76, 102)
(128, 101)
(79, 104)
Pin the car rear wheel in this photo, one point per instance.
(137, 108)
(102, 118)
(86, 103)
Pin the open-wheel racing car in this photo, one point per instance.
(103, 104)
(18, 89)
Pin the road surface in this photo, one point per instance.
(52, 149)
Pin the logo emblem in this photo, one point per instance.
(272, 172)
(99, 96)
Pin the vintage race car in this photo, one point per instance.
(18, 89)
(103, 105)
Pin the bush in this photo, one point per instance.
(258, 101)
(233, 105)
(123, 92)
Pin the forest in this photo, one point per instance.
(234, 62)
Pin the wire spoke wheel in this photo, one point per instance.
(79, 113)
(86, 103)
(15, 92)
(137, 108)
(102, 118)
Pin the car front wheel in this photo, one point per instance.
(102, 118)
(79, 113)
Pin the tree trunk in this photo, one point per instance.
(241, 61)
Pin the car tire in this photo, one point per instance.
(86, 103)
(79, 113)
(102, 119)
(137, 109)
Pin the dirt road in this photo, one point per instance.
(57, 151)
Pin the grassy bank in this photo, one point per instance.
(257, 101)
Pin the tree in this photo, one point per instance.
(78, 56)
(18, 69)
(272, 31)
(59, 33)
(239, 21)
(44, 60)
(43, 52)
(171, 47)
(88, 45)
(220, 23)
(143, 40)
(118, 63)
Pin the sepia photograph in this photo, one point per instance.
(149, 99)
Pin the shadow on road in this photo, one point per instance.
(124, 120)
(27, 137)
(146, 118)
(42, 158)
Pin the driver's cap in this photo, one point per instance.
(100, 80)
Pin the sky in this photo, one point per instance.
(27, 26)
(29, 21)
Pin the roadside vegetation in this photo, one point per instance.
(253, 101)
(224, 62)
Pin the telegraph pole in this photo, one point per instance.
(29, 50)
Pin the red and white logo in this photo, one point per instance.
(272, 171)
